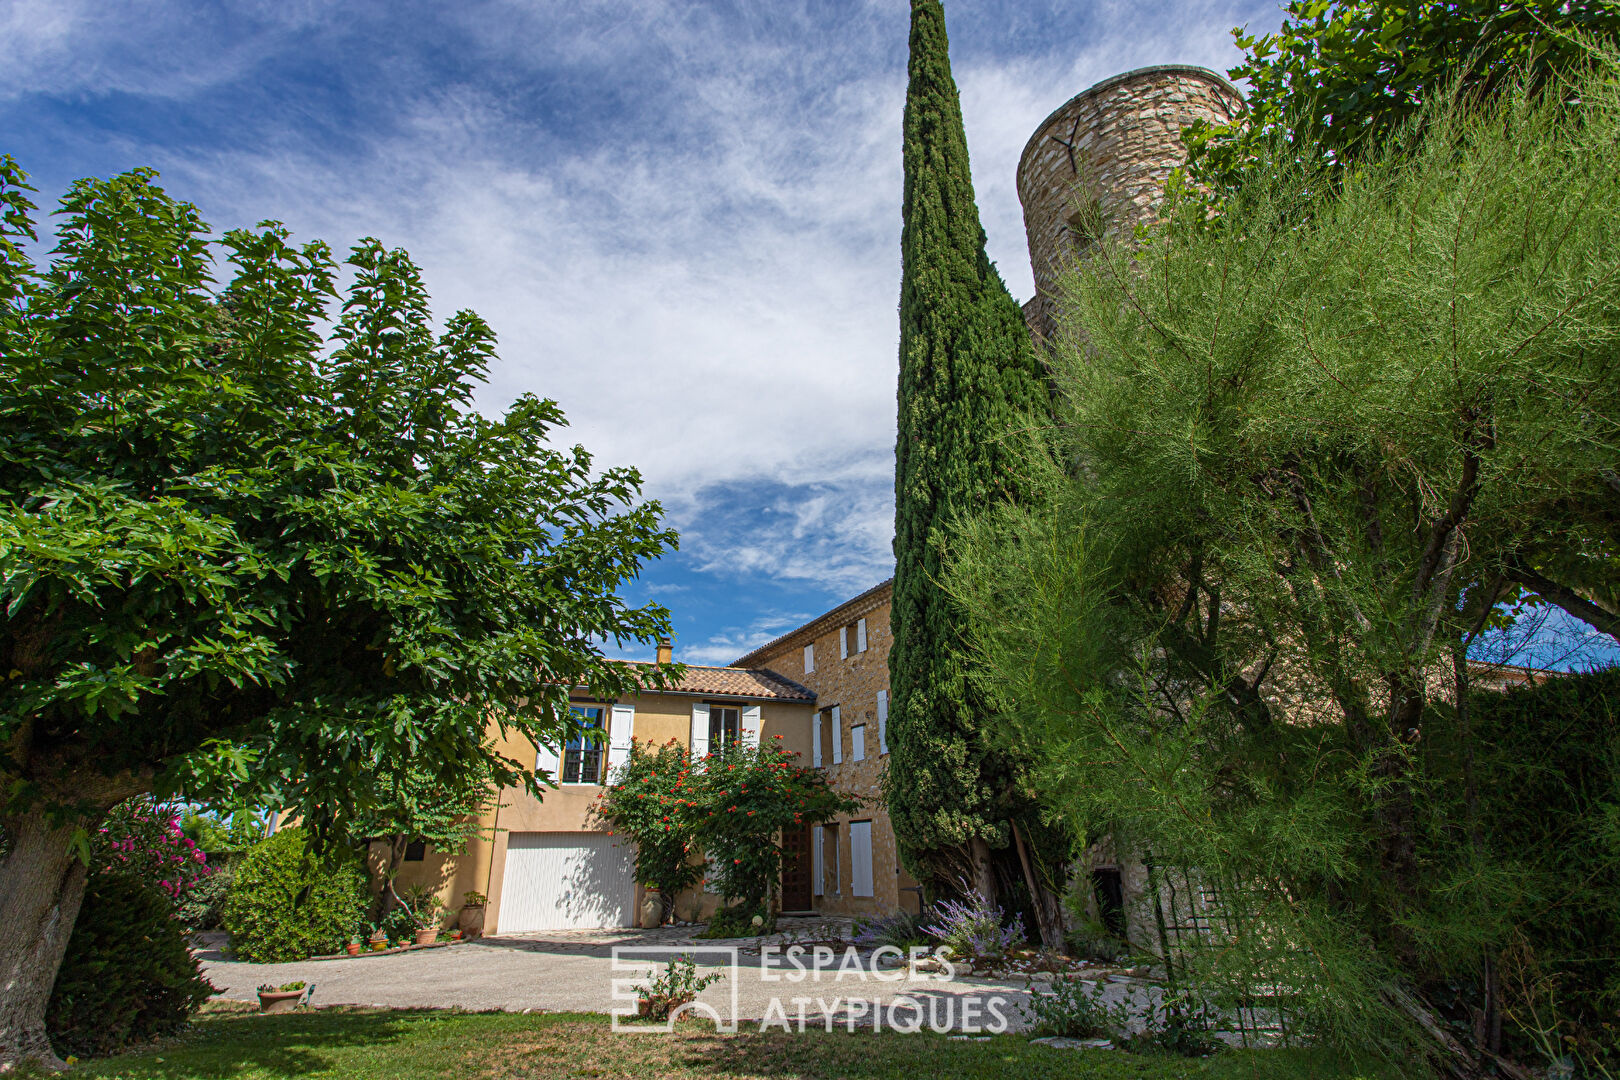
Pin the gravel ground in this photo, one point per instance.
(574, 971)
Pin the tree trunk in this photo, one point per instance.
(984, 873)
(41, 887)
(1048, 915)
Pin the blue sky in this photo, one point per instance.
(683, 218)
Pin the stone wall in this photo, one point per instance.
(852, 683)
(1112, 146)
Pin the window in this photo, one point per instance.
(725, 728)
(829, 860)
(809, 659)
(416, 851)
(857, 743)
(1085, 226)
(582, 757)
(860, 635)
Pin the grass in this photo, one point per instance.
(361, 1043)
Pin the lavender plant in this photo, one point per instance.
(976, 931)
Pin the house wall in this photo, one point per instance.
(659, 718)
(852, 684)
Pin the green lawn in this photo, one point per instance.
(404, 1045)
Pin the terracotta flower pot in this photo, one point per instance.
(279, 1001)
(352, 948)
(428, 936)
(379, 944)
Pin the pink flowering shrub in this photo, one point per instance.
(144, 839)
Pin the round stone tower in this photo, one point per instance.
(1109, 149)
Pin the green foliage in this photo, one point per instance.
(733, 806)
(1549, 808)
(203, 905)
(259, 565)
(1311, 449)
(287, 903)
(746, 799)
(969, 382)
(1074, 1008)
(647, 803)
(1339, 78)
(128, 975)
(237, 830)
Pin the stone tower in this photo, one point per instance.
(1111, 146)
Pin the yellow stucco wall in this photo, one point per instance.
(659, 718)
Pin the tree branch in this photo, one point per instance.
(1563, 596)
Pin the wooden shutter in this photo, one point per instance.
(883, 721)
(837, 737)
(815, 740)
(843, 643)
(548, 761)
(815, 860)
(619, 736)
(809, 658)
(700, 731)
(860, 635)
(860, 858)
(750, 725)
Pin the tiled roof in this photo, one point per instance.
(757, 683)
(869, 599)
(742, 682)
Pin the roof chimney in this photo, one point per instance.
(666, 652)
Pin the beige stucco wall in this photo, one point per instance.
(659, 718)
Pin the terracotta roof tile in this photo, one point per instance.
(758, 683)
(742, 682)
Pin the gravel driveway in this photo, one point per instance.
(573, 971)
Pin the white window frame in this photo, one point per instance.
(599, 745)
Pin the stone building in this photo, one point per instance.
(546, 864)
(843, 656)
(1103, 158)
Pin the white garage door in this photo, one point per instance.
(564, 881)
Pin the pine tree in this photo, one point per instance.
(968, 372)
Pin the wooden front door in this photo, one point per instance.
(796, 870)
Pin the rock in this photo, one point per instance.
(1059, 1042)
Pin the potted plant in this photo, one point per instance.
(281, 999)
(471, 920)
(425, 910)
(379, 937)
(353, 947)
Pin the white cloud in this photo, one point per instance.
(707, 285)
(734, 641)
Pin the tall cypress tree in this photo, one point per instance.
(968, 373)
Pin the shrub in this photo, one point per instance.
(976, 931)
(128, 974)
(1074, 1009)
(203, 905)
(286, 903)
(144, 839)
(900, 931)
(743, 920)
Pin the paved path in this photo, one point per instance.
(573, 971)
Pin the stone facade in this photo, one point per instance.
(851, 679)
(1111, 147)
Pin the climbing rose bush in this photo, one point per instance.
(144, 840)
(646, 804)
(734, 806)
(744, 800)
